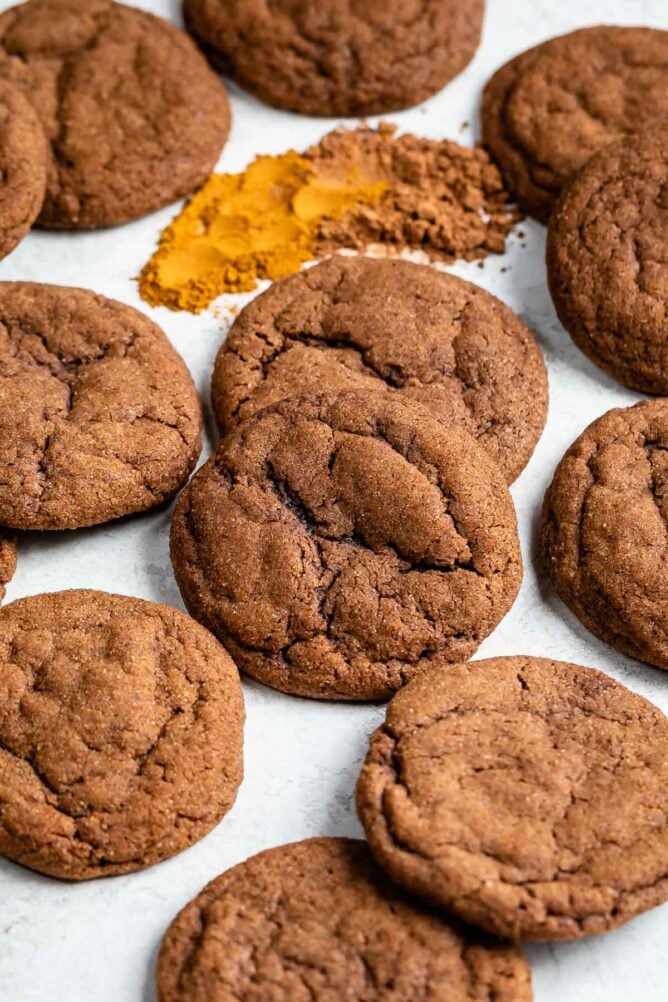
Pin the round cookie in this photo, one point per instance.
(606, 260)
(354, 323)
(8, 559)
(318, 920)
(121, 730)
(524, 795)
(99, 417)
(604, 535)
(134, 116)
(23, 158)
(339, 544)
(333, 57)
(551, 108)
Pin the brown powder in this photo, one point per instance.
(442, 198)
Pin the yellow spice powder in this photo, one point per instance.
(239, 228)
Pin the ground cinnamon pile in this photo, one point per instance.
(358, 189)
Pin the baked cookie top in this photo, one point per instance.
(339, 544)
(134, 116)
(23, 159)
(526, 796)
(604, 535)
(99, 417)
(120, 733)
(353, 323)
(318, 920)
(607, 263)
(338, 57)
(551, 108)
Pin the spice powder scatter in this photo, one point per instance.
(356, 189)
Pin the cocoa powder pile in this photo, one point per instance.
(442, 198)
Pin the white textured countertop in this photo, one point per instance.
(97, 942)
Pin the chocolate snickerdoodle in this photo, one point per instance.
(604, 535)
(121, 728)
(99, 417)
(524, 795)
(606, 260)
(339, 544)
(23, 159)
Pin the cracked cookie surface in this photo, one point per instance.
(548, 110)
(99, 417)
(604, 532)
(352, 323)
(317, 920)
(526, 796)
(339, 544)
(134, 116)
(607, 263)
(338, 57)
(23, 158)
(121, 728)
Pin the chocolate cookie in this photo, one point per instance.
(339, 544)
(363, 323)
(606, 260)
(549, 109)
(8, 559)
(134, 116)
(121, 728)
(98, 414)
(604, 534)
(23, 158)
(318, 920)
(526, 796)
(333, 57)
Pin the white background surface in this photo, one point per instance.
(97, 942)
